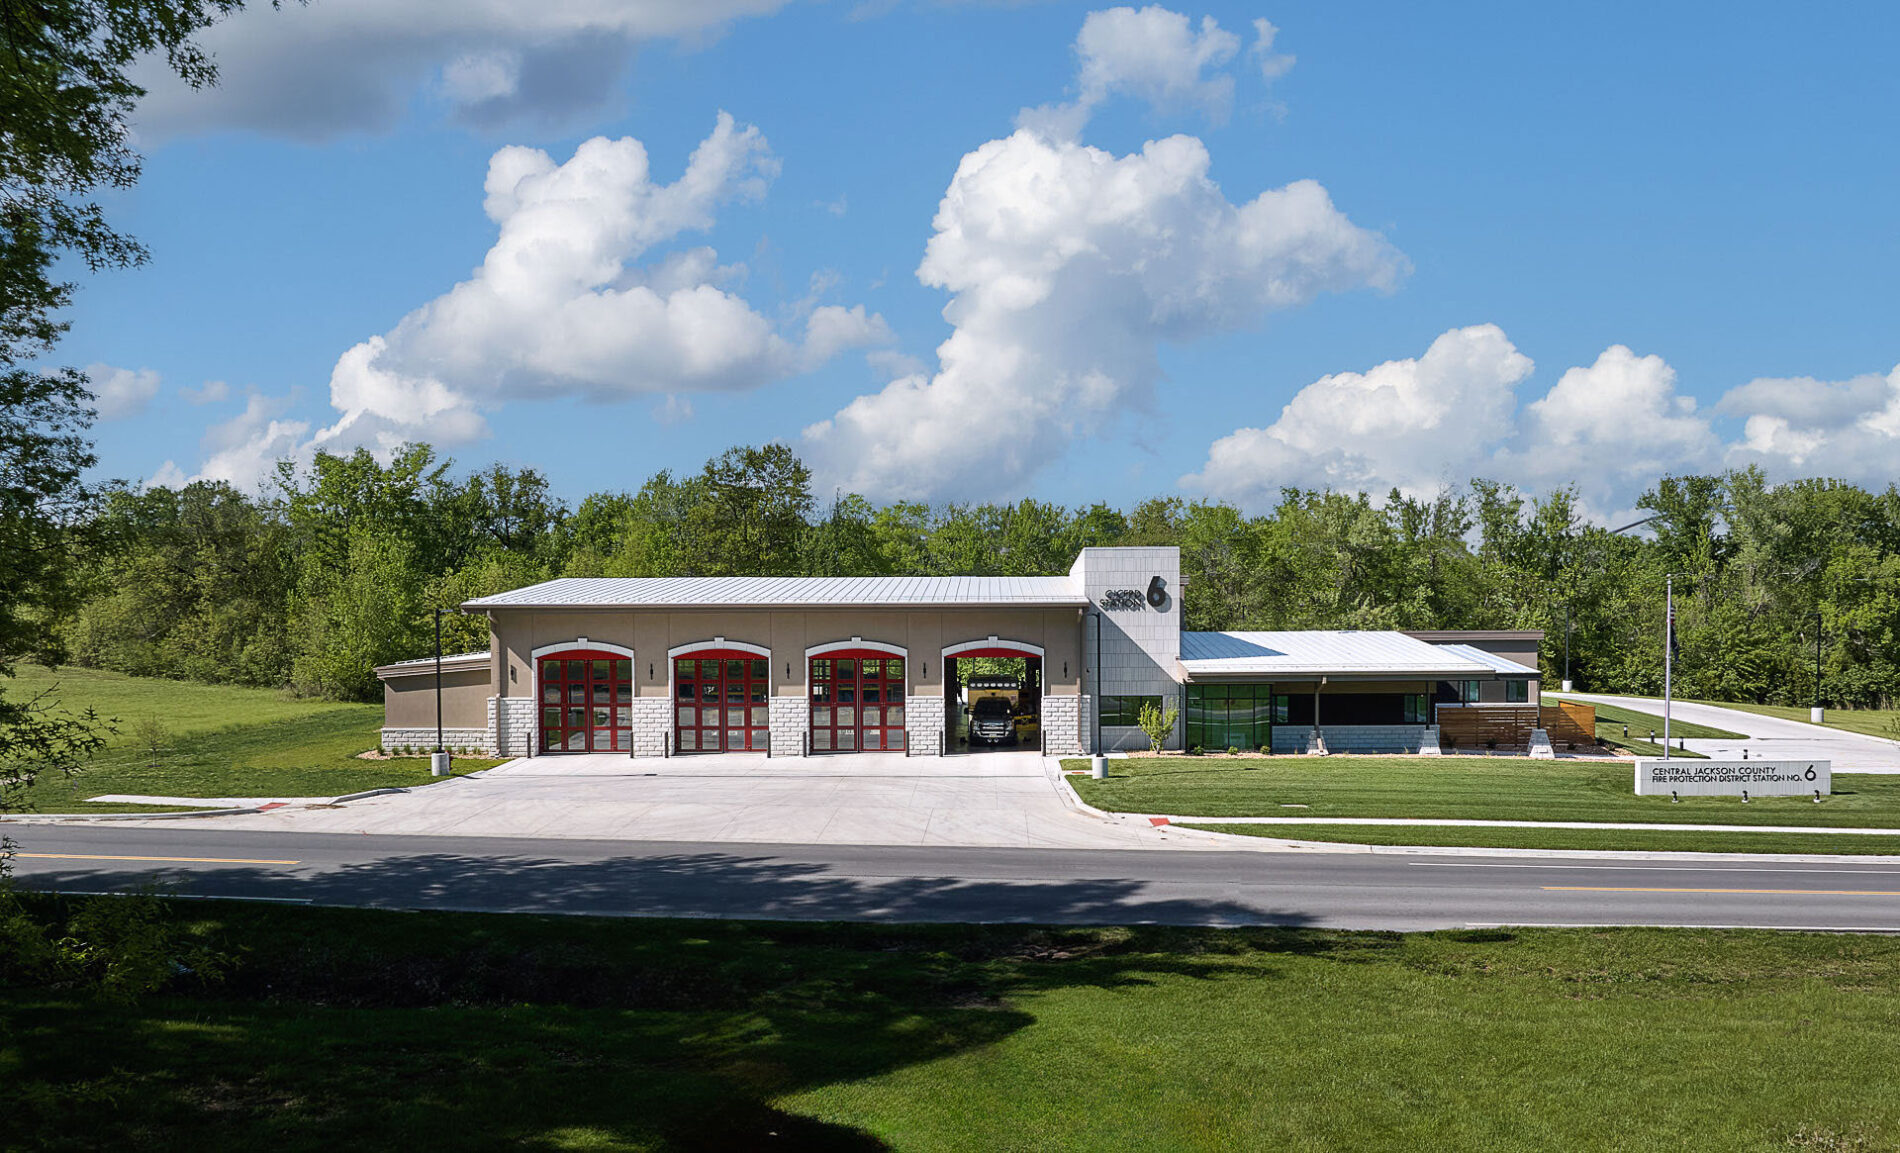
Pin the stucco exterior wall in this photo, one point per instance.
(787, 634)
(409, 700)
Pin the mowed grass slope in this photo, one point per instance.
(346, 1029)
(222, 740)
(1485, 788)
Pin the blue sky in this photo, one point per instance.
(1547, 246)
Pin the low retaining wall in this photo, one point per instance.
(1351, 738)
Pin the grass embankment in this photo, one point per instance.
(221, 741)
(365, 1029)
(1613, 719)
(1480, 788)
(1868, 722)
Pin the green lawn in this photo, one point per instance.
(1871, 722)
(223, 741)
(1488, 788)
(348, 1029)
(1605, 840)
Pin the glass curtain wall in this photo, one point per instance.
(1231, 716)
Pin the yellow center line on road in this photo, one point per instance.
(179, 860)
(1659, 889)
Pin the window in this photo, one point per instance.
(1467, 691)
(1417, 709)
(1125, 710)
(1517, 692)
(1236, 716)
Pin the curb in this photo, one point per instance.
(39, 818)
(348, 797)
(177, 815)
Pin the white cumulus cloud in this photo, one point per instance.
(1067, 266)
(1611, 428)
(121, 392)
(562, 306)
(1415, 424)
(1849, 429)
(1608, 429)
(1152, 54)
(313, 71)
(244, 450)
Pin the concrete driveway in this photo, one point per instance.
(979, 799)
(1768, 738)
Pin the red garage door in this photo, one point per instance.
(720, 702)
(586, 702)
(857, 702)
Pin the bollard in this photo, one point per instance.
(439, 765)
(1098, 766)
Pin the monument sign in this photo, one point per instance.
(1689, 777)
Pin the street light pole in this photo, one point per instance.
(439, 762)
(1815, 714)
(1566, 646)
(1669, 655)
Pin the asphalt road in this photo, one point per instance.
(833, 882)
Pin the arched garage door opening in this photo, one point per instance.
(586, 700)
(992, 695)
(721, 698)
(857, 698)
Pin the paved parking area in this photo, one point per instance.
(978, 799)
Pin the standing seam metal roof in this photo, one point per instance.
(1321, 652)
(777, 592)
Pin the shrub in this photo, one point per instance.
(120, 946)
(1157, 723)
(1233, 750)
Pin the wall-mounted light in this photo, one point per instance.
(1065, 670)
(788, 670)
(926, 667)
(649, 670)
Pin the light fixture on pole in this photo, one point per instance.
(439, 759)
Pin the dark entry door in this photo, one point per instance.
(586, 703)
(857, 703)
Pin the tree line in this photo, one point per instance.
(338, 566)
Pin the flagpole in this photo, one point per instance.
(1669, 652)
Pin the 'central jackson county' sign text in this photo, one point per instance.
(1692, 778)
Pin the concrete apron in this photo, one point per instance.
(1002, 799)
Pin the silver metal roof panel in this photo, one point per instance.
(1346, 652)
(787, 592)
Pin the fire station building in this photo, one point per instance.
(795, 666)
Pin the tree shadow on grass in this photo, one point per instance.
(356, 1028)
